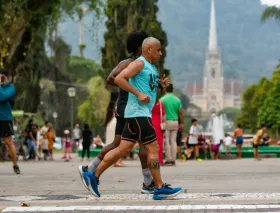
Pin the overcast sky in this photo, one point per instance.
(271, 2)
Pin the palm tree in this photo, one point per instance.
(271, 12)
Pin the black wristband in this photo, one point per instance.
(159, 86)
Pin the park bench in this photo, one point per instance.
(248, 152)
(94, 152)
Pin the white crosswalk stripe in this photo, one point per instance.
(182, 196)
(141, 208)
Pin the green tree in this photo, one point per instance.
(82, 69)
(184, 99)
(269, 112)
(230, 112)
(271, 12)
(93, 110)
(275, 76)
(248, 114)
(263, 87)
(252, 100)
(124, 17)
(24, 26)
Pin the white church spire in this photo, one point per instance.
(213, 43)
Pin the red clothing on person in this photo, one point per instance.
(67, 142)
(156, 119)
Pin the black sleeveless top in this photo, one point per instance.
(122, 99)
(121, 103)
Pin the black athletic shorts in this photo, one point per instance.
(192, 145)
(139, 130)
(179, 139)
(6, 129)
(256, 145)
(120, 125)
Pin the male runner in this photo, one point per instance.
(133, 45)
(141, 80)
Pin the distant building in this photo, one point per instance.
(215, 93)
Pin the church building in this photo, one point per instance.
(215, 93)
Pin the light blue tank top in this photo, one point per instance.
(146, 82)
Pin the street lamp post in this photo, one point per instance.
(55, 117)
(72, 93)
(81, 13)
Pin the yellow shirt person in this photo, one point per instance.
(258, 137)
(257, 141)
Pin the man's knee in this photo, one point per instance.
(152, 148)
(142, 150)
(123, 151)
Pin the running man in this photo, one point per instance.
(133, 45)
(141, 79)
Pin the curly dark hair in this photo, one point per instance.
(134, 41)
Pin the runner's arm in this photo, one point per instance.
(133, 69)
(120, 67)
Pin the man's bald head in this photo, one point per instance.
(151, 49)
(149, 42)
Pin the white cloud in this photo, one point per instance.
(271, 2)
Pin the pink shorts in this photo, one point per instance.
(215, 148)
(68, 145)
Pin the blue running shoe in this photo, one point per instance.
(166, 192)
(148, 189)
(94, 182)
(83, 170)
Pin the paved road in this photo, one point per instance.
(216, 183)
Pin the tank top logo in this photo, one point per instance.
(154, 81)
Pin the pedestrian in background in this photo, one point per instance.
(7, 94)
(174, 113)
(87, 139)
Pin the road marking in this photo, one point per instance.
(22, 198)
(141, 208)
(182, 196)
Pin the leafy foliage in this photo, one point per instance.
(271, 12)
(256, 100)
(230, 112)
(82, 69)
(184, 99)
(26, 25)
(269, 112)
(247, 117)
(92, 111)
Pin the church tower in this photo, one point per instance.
(213, 86)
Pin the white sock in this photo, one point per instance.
(94, 164)
(148, 178)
